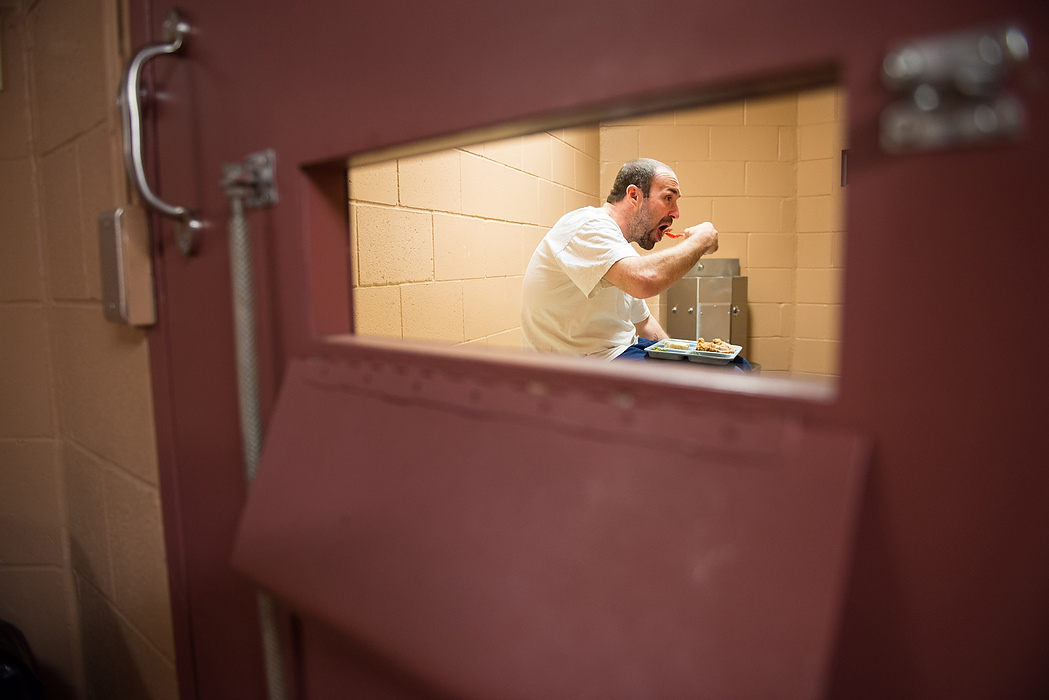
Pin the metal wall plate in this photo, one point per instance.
(126, 267)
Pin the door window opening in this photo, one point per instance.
(440, 239)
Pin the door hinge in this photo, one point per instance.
(952, 88)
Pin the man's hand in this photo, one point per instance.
(647, 275)
(707, 234)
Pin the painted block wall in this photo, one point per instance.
(83, 570)
(442, 240)
(821, 233)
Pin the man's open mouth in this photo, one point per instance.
(664, 229)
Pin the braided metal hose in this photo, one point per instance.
(243, 280)
(250, 414)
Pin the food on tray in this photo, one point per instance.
(676, 344)
(716, 345)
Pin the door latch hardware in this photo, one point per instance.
(953, 91)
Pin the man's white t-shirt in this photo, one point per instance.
(566, 304)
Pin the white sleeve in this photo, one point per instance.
(638, 310)
(590, 252)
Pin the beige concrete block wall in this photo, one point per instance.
(82, 562)
(821, 233)
(762, 170)
(441, 241)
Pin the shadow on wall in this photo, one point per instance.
(111, 666)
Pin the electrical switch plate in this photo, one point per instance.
(127, 271)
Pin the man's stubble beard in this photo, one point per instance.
(642, 234)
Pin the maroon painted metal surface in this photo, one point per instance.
(496, 541)
(947, 591)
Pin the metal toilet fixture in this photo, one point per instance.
(709, 302)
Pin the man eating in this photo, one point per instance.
(585, 287)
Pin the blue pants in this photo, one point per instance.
(637, 352)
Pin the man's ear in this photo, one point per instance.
(634, 193)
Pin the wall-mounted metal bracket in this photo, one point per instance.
(953, 89)
(254, 180)
(126, 267)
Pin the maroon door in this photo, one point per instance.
(947, 573)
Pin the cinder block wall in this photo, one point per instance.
(821, 233)
(766, 172)
(82, 564)
(441, 241)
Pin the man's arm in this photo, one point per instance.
(650, 328)
(648, 275)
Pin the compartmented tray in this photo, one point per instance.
(688, 351)
(715, 358)
(661, 352)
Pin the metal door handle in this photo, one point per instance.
(175, 29)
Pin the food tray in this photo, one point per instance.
(714, 358)
(660, 352)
